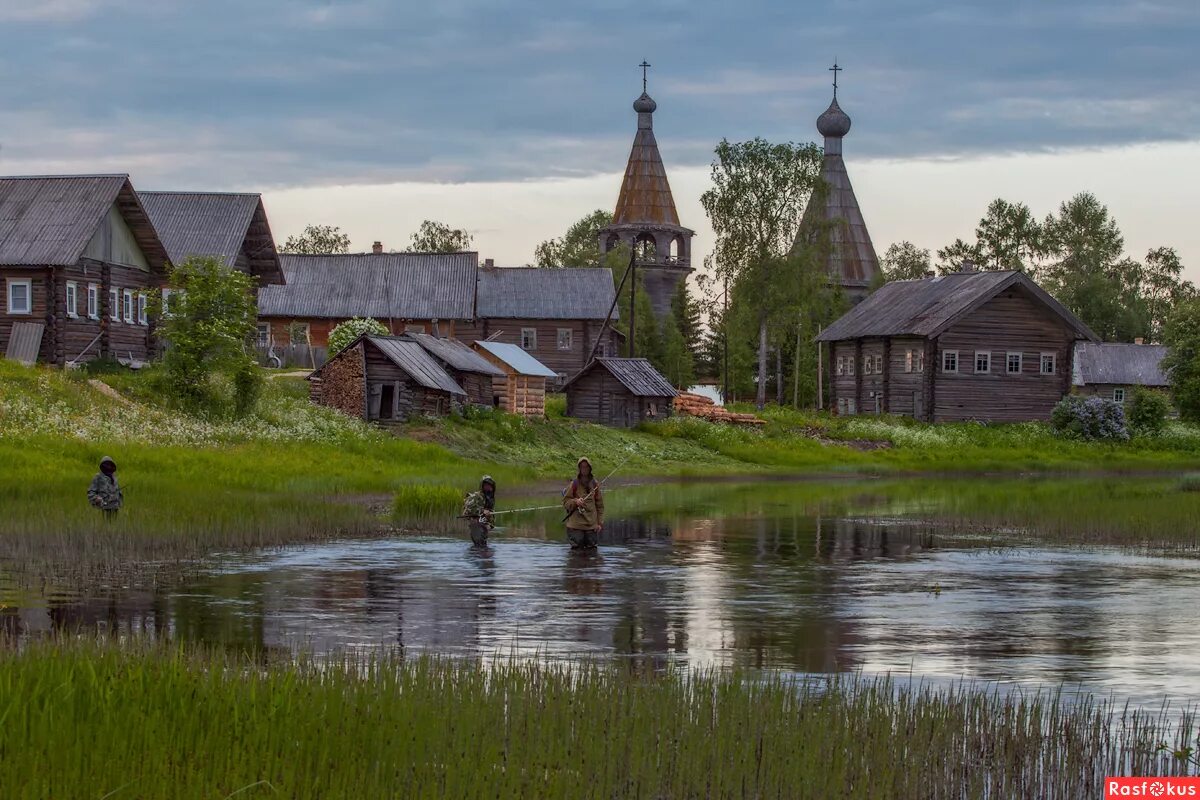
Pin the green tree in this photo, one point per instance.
(1163, 288)
(437, 237)
(578, 247)
(954, 255)
(904, 261)
(318, 240)
(685, 312)
(1181, 335)
(1008, 237)
(208, 366)
(346, 332)
(759, 191)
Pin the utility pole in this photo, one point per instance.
(725, 346)
(633, 305)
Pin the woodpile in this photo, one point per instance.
(696, 405)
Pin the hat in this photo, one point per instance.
(582, 460)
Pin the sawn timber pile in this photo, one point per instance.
(695, 405)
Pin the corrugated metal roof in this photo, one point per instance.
(412, 358)
(545, 293)
(49, 220)
(379, 285)
(1127, 364)
(453, 352)
(215, 224)
(636, 374)
(520, 360)
(927, 307)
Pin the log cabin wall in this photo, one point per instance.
(845, 375)
(589, 397)
(565, 362)
(1011, 322)
(38, 309)
(477, 386)
(85, 337)
(871, 376)
(1105, 390)
(905, 378)
(319, 328)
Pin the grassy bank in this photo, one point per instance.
(176, 724)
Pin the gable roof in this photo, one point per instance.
(456, 354)
(545, 293)
(377, 285)
(1129, 364)
(636, 374)
(929, 306)
(221, 225)
(409, 357)
(521, 362)
(48, 220)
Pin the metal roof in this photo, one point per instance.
(636, 374)
(1128, 364)
(49, 220)
(518, 359)
(545, 293)
(456, 354)
(378, 285)
(645, 195)
(412, 358)
(927, 307)
(221, 225)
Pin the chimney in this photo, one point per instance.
(377, 248)
(967, 266)
(1139, 340)
(489, 263)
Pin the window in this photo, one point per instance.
(849, 365)
(564, 338)
(72, 299)
(299, 333)
(529, 338)
(908, 360)
(143, 318)
(93, 301)
(878, 365)
(950, 361)
(851, 408)
(841, 365)
(20, 296)
(841, 406)
(166, 302)
(263, 335)
(1119, 394)
(127, 306)
(920, 357)
(1014, 364)
(114, 305)
(1049, 363)
(983, 361)
(867, 361)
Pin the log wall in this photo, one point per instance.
(601, 398)
(564, 362)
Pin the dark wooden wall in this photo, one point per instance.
(477, 386)
(564, 362)
(903, 385)
(601, 398)
(319, 328)
(37, 279)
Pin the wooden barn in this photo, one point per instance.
(988, 346)
(620, 392)
(1112, 370)
(386, 380)
(78, 259)
(474, 373)
(522, 387)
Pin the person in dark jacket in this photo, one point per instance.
(478, 508)
(584, 504)
(105, 492)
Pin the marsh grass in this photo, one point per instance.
(422, 501)
(83, 719)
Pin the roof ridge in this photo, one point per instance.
(124, 175)
(209, 194)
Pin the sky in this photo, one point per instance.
(513, 119)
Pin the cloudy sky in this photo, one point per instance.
(513, 118)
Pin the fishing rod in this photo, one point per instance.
(548, 508)
(596, 488)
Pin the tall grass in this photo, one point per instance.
(421, 501)
(86, 720)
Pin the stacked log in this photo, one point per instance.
(696, 405)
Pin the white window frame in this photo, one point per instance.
(262, 334)
(301, 326)
(841, 365)
(878, 364)
(570, 338)
(867, 362)
(1119, 394)
(72, 298)
(166, 302)
(946, 355)
(908, 360)
(851, 407)
(93, 301)
(841, 406)
(850, 362)
(986, 356)
(1053, 359)
(143, 317)
(920, 354)
(114, 304)
(127, 306)
(1008, 357)
(27, 284)
(529, 339)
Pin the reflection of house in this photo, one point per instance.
(522, 387)
(620, 392)
(78, 257)
(471, 371)
(970, 345)
(1113, 371)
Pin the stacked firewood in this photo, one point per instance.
(696, 405)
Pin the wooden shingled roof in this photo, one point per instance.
(645, 196)
(409, 356)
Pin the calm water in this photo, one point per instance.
(734, 575)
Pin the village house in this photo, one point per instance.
(471, 371)
(1113, 370)
(78, 259)
(521, 389)
(619, 392)
(989, 346)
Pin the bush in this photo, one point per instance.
(346, 332)
(1090, 418)
(1148, 411)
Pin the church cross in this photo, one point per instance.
(835, 69)
(644, 67)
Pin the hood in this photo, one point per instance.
(107, 460)
(487, 479)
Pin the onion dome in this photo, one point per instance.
(644, 104)
(834, 123)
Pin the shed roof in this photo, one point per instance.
(518, 359)
(928, 306)
(48, 220)
(453, 352)
(545, 293)
(636, 374)
(378, 285)
(1127, 364)
(221, 225)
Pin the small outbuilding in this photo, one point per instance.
(619, 392)
(522, 387)
(1113, 370)
(386, 380)
(474, 373)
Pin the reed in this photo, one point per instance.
(415, 502)
(92, 720)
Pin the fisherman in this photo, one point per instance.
(585, 508)
(478, 508)
(105, 493)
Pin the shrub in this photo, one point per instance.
(1181, 335)
(1090, 418)
(1148, 410)
(346, 332)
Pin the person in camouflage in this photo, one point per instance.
(478, 508)
(105, 493)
